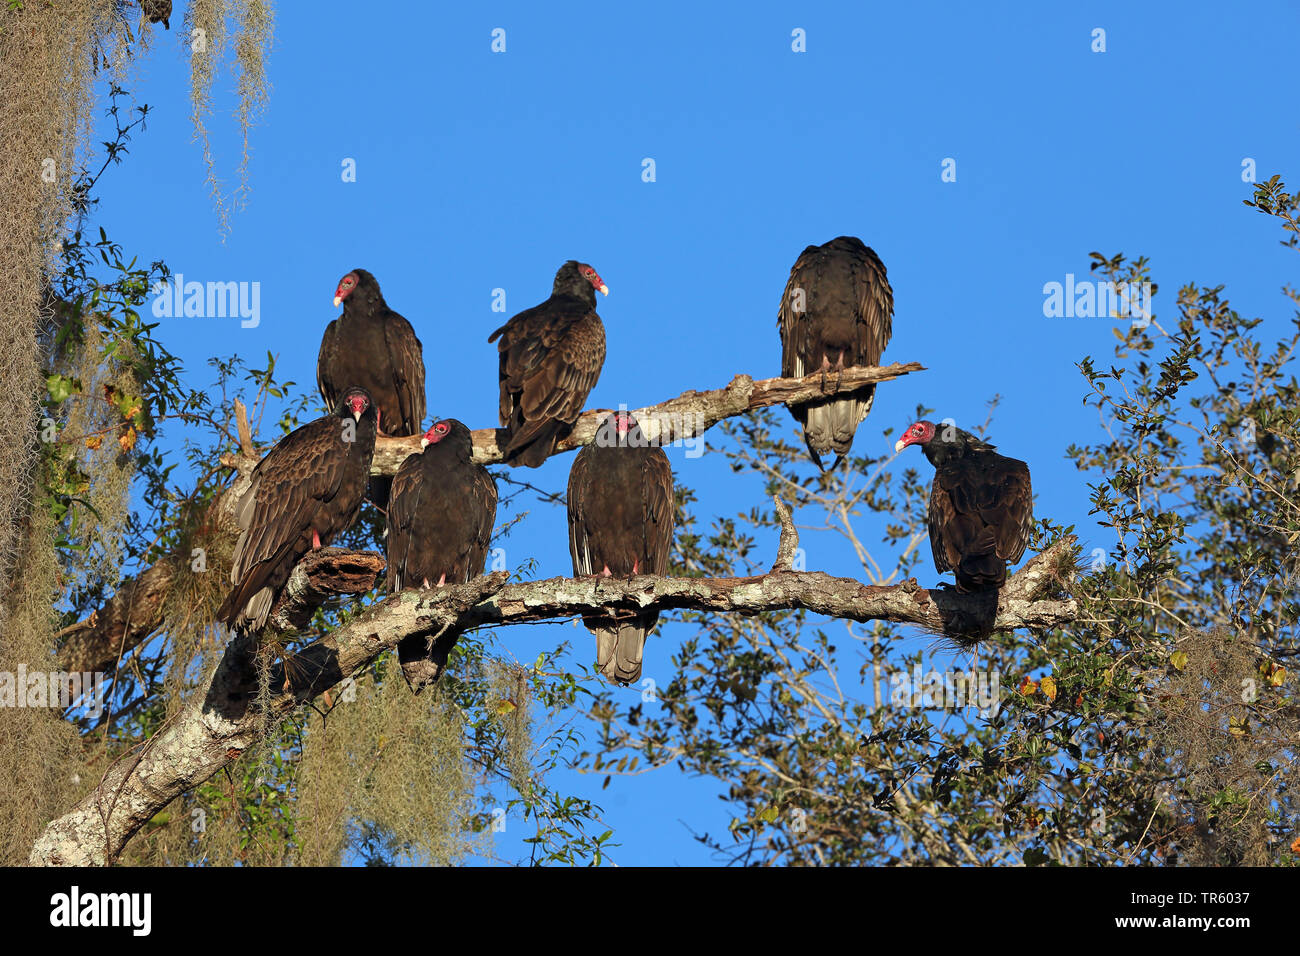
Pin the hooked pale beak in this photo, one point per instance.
(604, 289)
(900, 445)
(424, 443)
(337, 300)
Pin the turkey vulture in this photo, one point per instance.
(307, 489)
(981, 506)
(439, 525)
(836, 312)
(551, 356)
(372, 347)
(620, 522)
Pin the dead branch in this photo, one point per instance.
(320, 575)
(687, 416)
(789, 543)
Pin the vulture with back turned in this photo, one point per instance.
(550, 359)
(981, 510)
(836, 312)
(439, 527)
(303, 492)
(372, 347)
(620, 523)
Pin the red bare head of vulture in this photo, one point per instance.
(550, 359)
(588, 275)
(836, 312)
(303, 492)
(357, 401)
(620, 523)
(981, 505)
(441, 430)
(439, 528)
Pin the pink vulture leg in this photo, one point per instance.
(315, 539)
(442, 580)
(606, 572)
(636, 566)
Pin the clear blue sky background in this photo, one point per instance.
(478, 170)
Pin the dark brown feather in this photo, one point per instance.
(372, 347)
(550, 359)
(846, 320)
(981, 509)
(620, 502)
(313, 480)
(439, 526)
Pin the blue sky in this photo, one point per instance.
(478, 171)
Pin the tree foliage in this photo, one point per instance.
(1159, 729)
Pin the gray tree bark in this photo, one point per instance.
(136, 611)
(225, 717)
(224, 720)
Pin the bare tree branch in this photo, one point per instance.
(243, 429)
(136, 611)
(687, 416)
(789, 543)
(320, 575)
(121, 623)
(224, 720)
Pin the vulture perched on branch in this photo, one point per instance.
(981, 506)
(551, 356)
(306, 490)
(372, 347)
(836, 312)
(439, 527)
(620, 523)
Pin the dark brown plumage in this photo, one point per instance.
(551, 356)
(981, 512)
(836, 312)
(306, 489)
(372, 347)
(439, 527)
(620, 523)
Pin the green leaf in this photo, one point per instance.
(60, 387)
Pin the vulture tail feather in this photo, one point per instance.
(423, 662)
(830, 426)
(620, 648)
